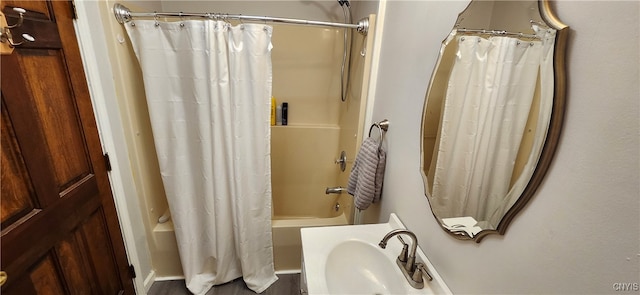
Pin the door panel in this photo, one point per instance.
(71, 258)
(60, 232)
(17, 193)
(96, 241)
(46, 278)
(63, 133)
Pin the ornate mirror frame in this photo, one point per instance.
(553, 132)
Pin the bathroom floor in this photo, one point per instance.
(287, 284)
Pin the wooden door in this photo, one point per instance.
(59, 228)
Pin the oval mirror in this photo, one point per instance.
(493, 113)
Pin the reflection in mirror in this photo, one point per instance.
(492, 114)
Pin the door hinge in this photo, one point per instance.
(107, 162)
(132, 271)
(74, 12)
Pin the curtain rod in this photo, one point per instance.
(124, 14)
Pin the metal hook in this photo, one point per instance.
(5, 33)
(21, 13)
(227, 20)
(6, 37)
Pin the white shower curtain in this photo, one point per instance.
(486, 108)
(546, 83)
(208, 88)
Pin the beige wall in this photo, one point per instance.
(306, 75)
(302, 166)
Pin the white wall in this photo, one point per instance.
(581, 231)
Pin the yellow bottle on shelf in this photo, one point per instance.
(273, 111)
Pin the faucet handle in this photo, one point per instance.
(421, 270)
(405, 250)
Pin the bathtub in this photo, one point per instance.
(287, 244)
(303, 166)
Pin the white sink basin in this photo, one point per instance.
(357, 267)
(348, 260)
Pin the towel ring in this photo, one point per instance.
(383, 126)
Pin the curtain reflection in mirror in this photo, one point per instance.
(489, 116)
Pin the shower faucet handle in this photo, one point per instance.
(342, 161)
(335, 190)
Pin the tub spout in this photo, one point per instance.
(335, 190)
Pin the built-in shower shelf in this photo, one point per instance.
(164, 227)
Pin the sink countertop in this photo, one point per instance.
(318, 242)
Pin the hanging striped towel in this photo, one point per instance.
(367, 174)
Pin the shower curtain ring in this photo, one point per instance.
(155, 17)
(181, 19)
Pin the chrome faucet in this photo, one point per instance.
(412, 271)
(335, 190)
